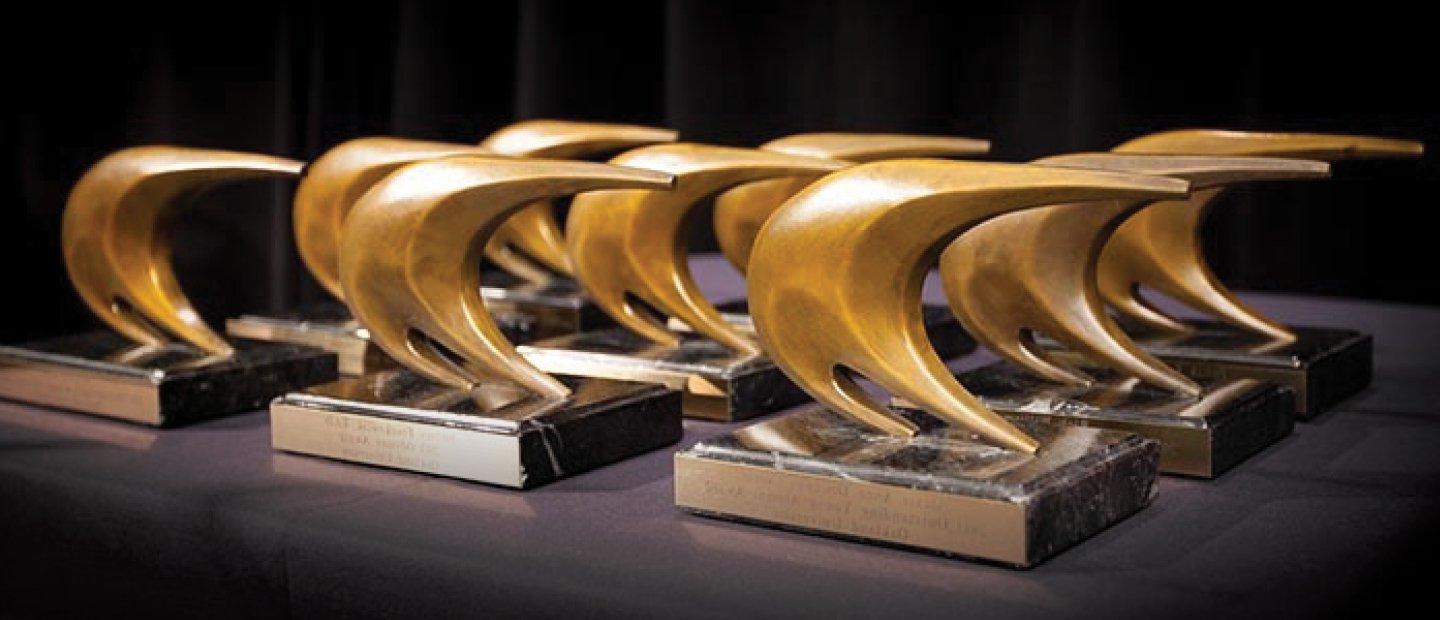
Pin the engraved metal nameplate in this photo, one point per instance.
(498, 434)
(104, 374)
(942, 491)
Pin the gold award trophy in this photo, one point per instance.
(528, 245)
(162, 365)
(464, 403)
(835, 285)
(1047, 258)
(741, 211)
(1159, 248)
(631, 258)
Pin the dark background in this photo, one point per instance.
(1035, 78)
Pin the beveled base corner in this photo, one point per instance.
(1202, 437)
(944, 330)
(104, 374)
(717, 384)
(941, 492)
(330, 327)
(1323, 366)
(500, 435)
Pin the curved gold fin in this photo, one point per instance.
(1321, 146)
(409, 251)
(1160, 246)
(1035, 270)
(333, 182)
(530, 245)
(741, 211)
(635, 241)
(117, 244)
(836, 276)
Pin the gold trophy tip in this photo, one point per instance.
(858, 146)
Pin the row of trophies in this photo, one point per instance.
(419, 369)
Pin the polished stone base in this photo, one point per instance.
(718, 384)
(944, 330)
(330, 327)
(1323, 366)
(498, 435)
(942, 491)
(558, 308)
(1202, 437)
(104, 374)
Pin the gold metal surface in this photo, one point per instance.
(531, 235)
(741, 211)
(334, 181)
(837, 271)
(409, 250)
(1034, 270)
(1160, 247)
(338, 178)
(117, 243)
(631, 245)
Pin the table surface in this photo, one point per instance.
(97, 515)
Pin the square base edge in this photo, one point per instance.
(1018, 529)
(101, 373)
(556, 442)
(1199, 437)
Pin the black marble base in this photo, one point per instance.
(942, 491)
(105, 374)
(329, 326)
(946, 334)
(498, 435)
(1324, 366)
(558, 307)
(717, 383)
(1204, 437)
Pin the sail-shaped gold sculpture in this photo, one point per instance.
(836, 274)
(162, 365)
(741, 211)
(117, 244)
(1047, 259)
(410, 249)
(1160, 247)
(630, 246)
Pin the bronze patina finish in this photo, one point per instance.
(1034, 270)
(836, 276)
(409, 250)
(334, 181)
(741, 211)
(630, 245)
(532, 236)
(1160, 247)
(117, 244)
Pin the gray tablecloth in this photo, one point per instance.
(206, 520)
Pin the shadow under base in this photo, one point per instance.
(717, 383)
(499, 434)
(942, 491)
(1204, 437)
(105, 374)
